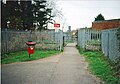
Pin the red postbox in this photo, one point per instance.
(31, 47)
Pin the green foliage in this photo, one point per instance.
(22, 15)
(3, 15)
(23, 56)
(42, 14)
(100, 66)
(100, 17)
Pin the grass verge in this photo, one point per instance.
(23, 56)
(100, 66)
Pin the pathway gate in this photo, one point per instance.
(89, 39)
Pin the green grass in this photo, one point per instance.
(100, 66)
(23, 56)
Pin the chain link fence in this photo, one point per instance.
(14, 40)
(105, 40)
(110, 44)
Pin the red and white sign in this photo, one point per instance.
(56, 25)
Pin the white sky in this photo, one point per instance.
(81, 13)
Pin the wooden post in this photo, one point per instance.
(29, 55)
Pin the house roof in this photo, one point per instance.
(108, 20)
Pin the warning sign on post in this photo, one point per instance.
(56, 25)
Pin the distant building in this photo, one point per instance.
(74, 35)
(69, 28)
(106, 24)
(67, 35)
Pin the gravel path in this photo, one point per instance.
(66, 68)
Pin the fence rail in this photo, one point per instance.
(105, 40)
(89, 39)
(110, 44)
(12, 41)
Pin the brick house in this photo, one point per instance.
(106, 24)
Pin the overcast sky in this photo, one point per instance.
(81, 13)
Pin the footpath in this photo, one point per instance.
(68, 67)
